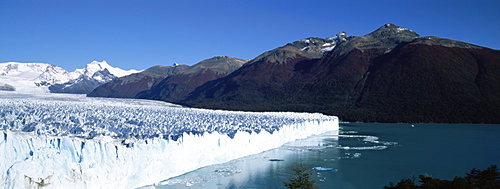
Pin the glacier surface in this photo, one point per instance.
(61, 140)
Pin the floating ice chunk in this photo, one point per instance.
(324, 169)
(348, 132)
(357, 155)
(363, 148)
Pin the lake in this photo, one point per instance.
(364, 155)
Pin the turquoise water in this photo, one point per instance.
(364, 155)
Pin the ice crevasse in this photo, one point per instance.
(34, 160)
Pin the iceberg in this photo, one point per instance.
(62, 140)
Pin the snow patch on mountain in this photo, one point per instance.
(322, 44)
(337, 39)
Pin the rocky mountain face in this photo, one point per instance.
(169, 83)
(389, 75)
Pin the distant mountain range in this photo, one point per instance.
(390, 75)
(168, 83)
(42, 77)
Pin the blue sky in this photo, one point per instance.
(135, 34)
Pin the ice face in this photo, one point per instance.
(71, 140)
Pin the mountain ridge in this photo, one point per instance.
(172, 85)
(348, 81)
(43, 77)
(129, 86)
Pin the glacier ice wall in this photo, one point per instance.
(103, 143)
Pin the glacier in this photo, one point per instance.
(62, 140)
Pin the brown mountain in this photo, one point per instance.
(389, 75)
(176, 87)
(131, 85)
(174, 82)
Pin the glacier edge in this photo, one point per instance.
(32, 161)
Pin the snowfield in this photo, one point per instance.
(61, 140)
(35, 78)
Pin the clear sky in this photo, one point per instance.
(138, 34)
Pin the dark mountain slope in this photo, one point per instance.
(261, 80)
(433, 83)
(389, 75)
(301, 84)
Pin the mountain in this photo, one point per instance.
(7, 87)
(389, 75)
(168, 83)
(83, 84)
(42, 77)
(31, 77)
(176, 87)
(311, 48)
(131, 85)
(96, 66)
(87, 79)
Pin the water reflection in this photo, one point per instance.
(253, 171)
(363, 155)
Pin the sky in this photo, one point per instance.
(138, 34)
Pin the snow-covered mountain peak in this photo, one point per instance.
(91, 76)
(26, 69)
(321, 45)
(96, 66)
(30, 77)
(340, 37)
(328, 44)
(392, 31)
(52, 75)
(37, 77)
(312, 47)
(34, 71)
(104, 63)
